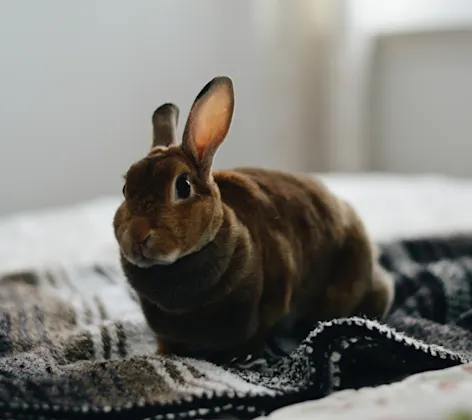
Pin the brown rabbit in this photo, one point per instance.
(217, 259)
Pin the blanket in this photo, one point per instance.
(74, 344)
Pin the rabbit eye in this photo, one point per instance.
(124, 189)
(183, 188)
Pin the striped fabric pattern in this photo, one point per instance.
(74, 344)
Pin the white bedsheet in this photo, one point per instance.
(390, 205)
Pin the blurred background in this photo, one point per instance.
(321, 86)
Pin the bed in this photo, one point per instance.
(392, 206)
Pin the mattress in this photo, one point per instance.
(392, 206)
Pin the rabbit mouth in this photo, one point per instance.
(143, 261)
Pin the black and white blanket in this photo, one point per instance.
(74, 344)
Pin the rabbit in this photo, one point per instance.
(217, 258)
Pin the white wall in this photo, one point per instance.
(80, 80)
(420, 114)
(412, 76)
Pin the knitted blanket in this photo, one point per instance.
(74, 344)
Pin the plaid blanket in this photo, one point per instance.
(74, 344)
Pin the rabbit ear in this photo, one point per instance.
(209, 120)
(164, 125)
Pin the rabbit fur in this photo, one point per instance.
(219, 258)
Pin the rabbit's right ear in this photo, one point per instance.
(209, 121)
(164, 125)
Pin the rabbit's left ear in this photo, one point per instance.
(209, 120)
(164, 125)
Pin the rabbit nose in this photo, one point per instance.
(145, 241)
(140, 245)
